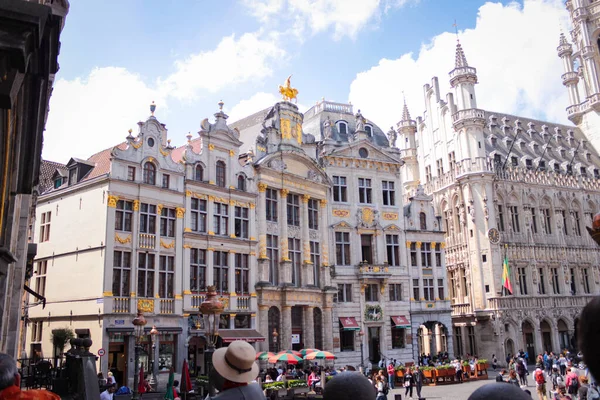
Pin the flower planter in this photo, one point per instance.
(451, 371)
(442, 372)
(429, 373)
(482, 367)
(298, 390)
(400, 374)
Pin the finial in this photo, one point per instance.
(152, 108)
(189, 137)
(130, 136)
(455, 25)
(221, 104)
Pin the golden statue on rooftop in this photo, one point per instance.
(287, 91)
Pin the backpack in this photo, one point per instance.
(574, 386)
(539, 377)
(557, 381)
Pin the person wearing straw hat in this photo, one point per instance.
(236, 365)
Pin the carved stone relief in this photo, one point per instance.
(272, 228)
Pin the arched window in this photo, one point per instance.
(241, 182)
(423, 221)
(220, 173)
(342, 127)
(150, 173)
(369, 130)
(199, 173)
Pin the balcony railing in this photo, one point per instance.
(461, 310)
(167, 306)
(516, 302)
(120, 305)
(147, 241)
(372, 270)
(243, 302)
(198, 299)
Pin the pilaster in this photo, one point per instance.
(210, 275)
(324, 228)
(307, 276)
(286, 265)
(263, 325)
(308, 335)
(286, 328)
(328, 328)
(231, 280)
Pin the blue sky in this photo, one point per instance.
(118, 56)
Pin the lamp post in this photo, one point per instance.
(138, 323)
(275, 335)
(362, 357)
(211, 310)
(154, 338)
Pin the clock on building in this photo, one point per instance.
(493, 235)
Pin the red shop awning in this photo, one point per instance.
(349, 324)
(400, 321)
(247, 335)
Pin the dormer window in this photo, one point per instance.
(58, 182)
(596, 173)
(536, 147)
(72, 176)
(342, 127)
(199, 173)
(514, 161)
(241, 183)
(494, 140)
(529, 163)
(556, 168)
(542, 165)
(582, 171)
(569, 169)
(149, 173)
(220, 170)
(588, 157)
(563, 153)
(369, 130)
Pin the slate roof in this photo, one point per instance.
(47, 169)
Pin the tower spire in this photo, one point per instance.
(461, 60)
(405, 113)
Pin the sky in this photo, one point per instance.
(118, 56)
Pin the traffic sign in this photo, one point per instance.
(101, 352)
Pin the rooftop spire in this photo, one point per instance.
(563, 39)
(405, 113)
(461, 60)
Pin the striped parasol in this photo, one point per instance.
(285, 357)
(294, 352)
(307, 351)
(320, 355)
(264, 355)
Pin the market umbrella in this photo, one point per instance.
(320, 355)
(307, 351)
(186, 382)
(264, 355)
(141, 386)
(285, 357)
(294, 352)
(169, 394)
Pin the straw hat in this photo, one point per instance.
(236, 362)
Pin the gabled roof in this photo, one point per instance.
(177, 154)
(351, 150)
(47, 170)
(101, 162)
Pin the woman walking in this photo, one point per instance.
(380, 388)
(409, 382)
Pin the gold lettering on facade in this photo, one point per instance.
(286, 128)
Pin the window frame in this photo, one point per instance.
(146, 274)
(198, 267)
(124, 216)
(46, 219)
(295, 257)
(166, 181)
(166, 277)
(199, 215)
(221, 219)
(388, 193)
(428, 289)
(41, 277)
(271, 199)
(242, 274)
(315, 259)
(342, 248)
(149, 173)
(131, 173)
(148, 218)
(313, 214)
(426, 255)
(365, 191)
(371, 292)
(199, 173)
(273, 256)
(392, 245)
(221, 173)
(293, 209)
(241, 222)
(344, 293)
(167, 222)
(398, 338)
(121, 268)
(340, 189)
(395, 291)
(221, 272)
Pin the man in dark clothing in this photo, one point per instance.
(499, 391)
(588, 334)
(500, 376)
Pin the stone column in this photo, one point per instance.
(285, 336)
(210, 276)
(555, 338)
(324, 228)
(179, 260)
(307, 275)
(231, 280)
(538, 342)
(328, 328)
(308, 334)
(187, 298)
(285, 275)
(263, 325)
(261, 224)
(210, 209)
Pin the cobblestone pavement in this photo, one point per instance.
(459, 391)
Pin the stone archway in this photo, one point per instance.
(528, 338)
(274, 316)
(563, 334)
(432, 338)
(546, 332)
(509, 347)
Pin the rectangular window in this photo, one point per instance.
(364, 191)
(586, 280)
(416, 290)
(576, 224)
(555, 282)
(458, 343)
(393, 250)
(346, 340)
(40, 277)
(440, 167)
(344, 293)
(242, 273)
(145, 287)
(123, 216)
(542, 281)
(573, 282)
(293, 209)
(342, 248)
(426, 255)
(514, 218)
(428, 173)
(440, 285)
(271, 205)
(198, 270)
(36, 331)
(198, 215)
(340, 189)
(148, 218)
(451, 160)
(534, 221)
(166, 181)
(529, 164)
(241, 222)
(221, 272)
(313, 214)
(522, 281)
(428, 290)
(500, 218)
(295, 255)
(497, 160)
(395, 290)
(371, 292)
(166, 275)
(389, 193)
(398, 338)
(221, 219)
(471, 336)
(547, 221)
(315, 258)
(438, 254)
(167, 222)
(273, 256)
(514, 161)
(413, 254)
(45, 226)
(366, 248)
(131, 174)
(121, 273)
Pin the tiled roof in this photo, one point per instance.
(101, 162)
(177, 153)
(47, 169)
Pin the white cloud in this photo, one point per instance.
(95, 113)
(233, 61)
(257, 102)
(263, 10)
(513, 49)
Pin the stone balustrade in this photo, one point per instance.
(537, 302)
(198, 299)
(167, 306)
(147, 241)
(459, 310)
(120, 305)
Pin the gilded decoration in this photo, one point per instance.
(180, 211)
(287, 91)
(231, 153)
(187, 230)
(443, 245)
(418, 244)
(136, 205)
(225, 301)
(323, 203)
(178, 297)
(340, 213)
(112, 201)
(211, 147)
(373, 312)
(262, 187)
(146, 305)
(408, 244)
(167, 245)
(124, 240)
(187, 246)
(390, 216)
(286, 128)
(262, 247)
(284, 192)
(305, 198)
(163, 152)
(298, 132)
(367, 216)
(159, 208)
(107, 294)
(136, 145)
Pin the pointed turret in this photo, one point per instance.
(461, 59)
(407, 129)
(463, 79)
(570, 77)
(405, 113)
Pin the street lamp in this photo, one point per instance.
(362, 357)
(154, 338)
(138, 323)
(275, 335)
(211, 310)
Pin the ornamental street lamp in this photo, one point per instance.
(275, 335)
(138, 323)
(362, 357)
(211, 310)
(154, 339)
